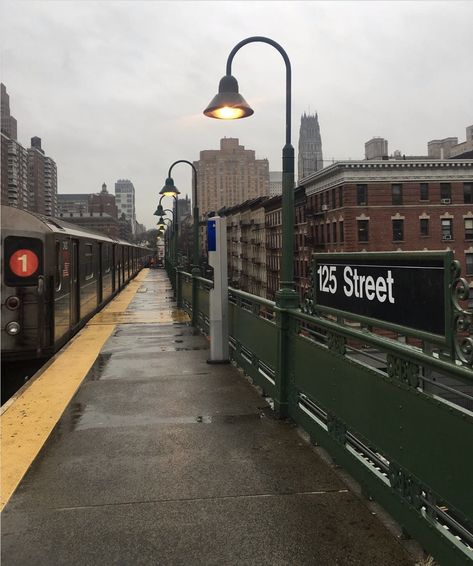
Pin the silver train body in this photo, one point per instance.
(55, 277)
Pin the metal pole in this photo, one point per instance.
(286, 297)
(195, 251)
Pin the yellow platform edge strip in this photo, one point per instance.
(27, 422)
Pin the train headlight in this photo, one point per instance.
(12, 328)
(12, 303)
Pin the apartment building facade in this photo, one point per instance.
(393, 206)
(42, 180)
(229, 176)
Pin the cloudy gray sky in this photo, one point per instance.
(116, 89)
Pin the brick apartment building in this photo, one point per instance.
(302, 251)
(392, 206)
(246, 246)
(355, 206)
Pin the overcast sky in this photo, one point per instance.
(116, 89)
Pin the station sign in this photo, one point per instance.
(408, 290)
(23, 261)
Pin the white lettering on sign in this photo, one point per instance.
(357, 285)
(24, 262)
(327, 279)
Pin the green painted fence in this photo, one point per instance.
(398, 417)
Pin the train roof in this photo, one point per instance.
(16, 219)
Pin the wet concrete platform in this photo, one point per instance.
(161, 458)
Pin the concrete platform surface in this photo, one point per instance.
(163, 459)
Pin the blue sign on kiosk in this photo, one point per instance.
(218, 300)
(211, 236)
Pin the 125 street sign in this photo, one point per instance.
(406, 289)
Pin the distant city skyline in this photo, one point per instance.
(117, 89)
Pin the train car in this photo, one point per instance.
(56, 276)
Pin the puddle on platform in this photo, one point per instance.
(98, 367)
(86, 417)
(144, 317)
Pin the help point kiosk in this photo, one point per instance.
(218, 311)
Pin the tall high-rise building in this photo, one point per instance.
(310, 146)
(14, 172)
(29, 177)
(42, 180)
(376, 148)
(8, 122)
(13, 158)
(125, 200)
(230, 175)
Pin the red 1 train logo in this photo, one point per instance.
(24, 263)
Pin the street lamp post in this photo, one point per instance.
(164, 233)
(228, 104)
(195, 249)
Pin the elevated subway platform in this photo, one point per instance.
(161, 458)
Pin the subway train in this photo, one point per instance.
(56, 276)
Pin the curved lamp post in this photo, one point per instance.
(169, 186)
(170, 190)
(228, 104)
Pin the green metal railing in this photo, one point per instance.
(398, 417)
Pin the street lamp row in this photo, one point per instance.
(229, 104)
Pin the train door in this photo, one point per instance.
(114, 267)
(100, 276)
(75, 285)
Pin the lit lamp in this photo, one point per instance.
(228, 104)
(169, 189)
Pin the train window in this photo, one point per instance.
(89, 265)
(106, 258)
(58, 266)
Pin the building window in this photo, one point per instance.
(363, 230)
(398, 230)
(468, 228)
(334, 199)
(424, 226)
(447, 229)
(334, 232)
(468, 193)
(445, 191)
(469, 264)
(396, 191)
(340, 197)
(361, 195)
(342, 234)
(424, 191)
(328, 233)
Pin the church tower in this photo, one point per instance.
(310, 146)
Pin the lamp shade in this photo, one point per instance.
(228, 104)
(169, 190)
(161, 222)
(159, 211)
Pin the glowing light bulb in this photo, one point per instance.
(228, 113)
